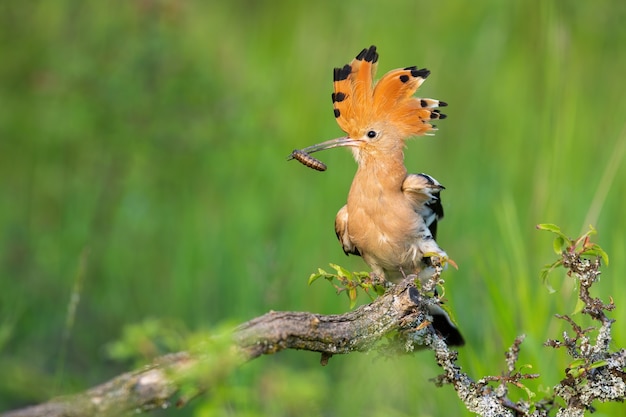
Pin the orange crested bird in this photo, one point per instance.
(390, 218)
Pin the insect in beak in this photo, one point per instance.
(302, 155)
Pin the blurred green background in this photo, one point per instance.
(143, 183)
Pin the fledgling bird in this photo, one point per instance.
(391, 216)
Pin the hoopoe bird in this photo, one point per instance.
(391, 216)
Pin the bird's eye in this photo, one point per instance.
(371, 134)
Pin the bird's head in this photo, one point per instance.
(379, 117)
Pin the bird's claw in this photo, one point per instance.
(379, 279)
(437, 259)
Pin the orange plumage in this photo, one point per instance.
(359, 102)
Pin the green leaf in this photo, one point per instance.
(549, 227)
(320, 273)
(592, 230)
(598, 364)
(559, 245)
(361, 277)
(576, 372)
(545, 271)
(529, 393)
(605, 257)
(342, 272)
(352, 295)
(580, 304)
(314, 277)
(577, 363)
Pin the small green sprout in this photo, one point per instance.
(350, 282)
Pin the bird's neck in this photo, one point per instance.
(380, 174)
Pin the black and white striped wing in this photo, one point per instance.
(424, 192)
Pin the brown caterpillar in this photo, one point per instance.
(307, 160)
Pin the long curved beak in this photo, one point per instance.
(333, 143)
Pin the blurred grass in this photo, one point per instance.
(153, 135)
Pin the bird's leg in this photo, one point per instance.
(413, 277)
(378, 278)
(404, 276)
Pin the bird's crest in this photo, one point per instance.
(358, 101)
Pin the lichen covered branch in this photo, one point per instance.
(596, 373)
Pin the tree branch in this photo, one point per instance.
(356, 330)
(145, 389)
(401, 311)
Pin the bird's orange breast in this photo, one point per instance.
(382, 222)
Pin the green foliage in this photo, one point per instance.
(581, 245)
(276, 390)
(154, 134)
(143, 342)
(579, 367)
(350, 282)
